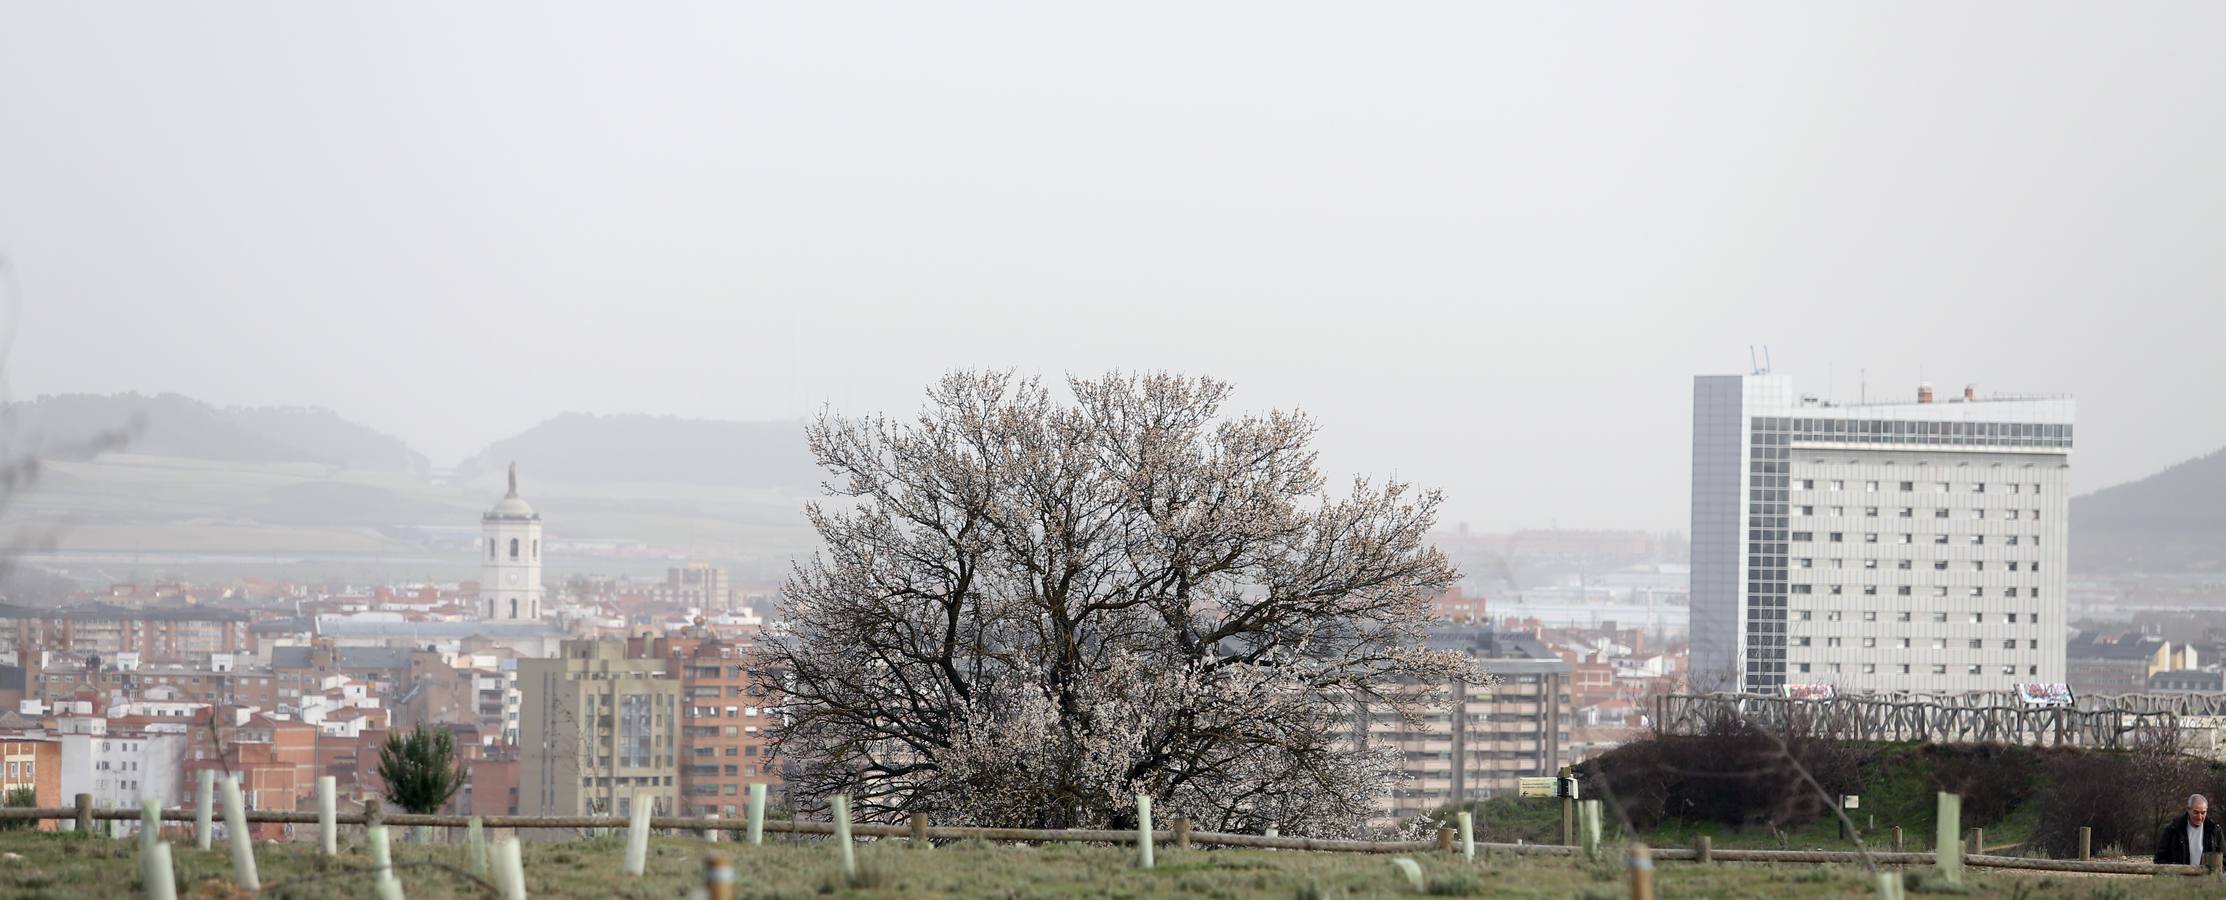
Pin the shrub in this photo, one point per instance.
(2126, 797)
(1734, 773)
(20, 798)
(420, 769)
(1738, 775)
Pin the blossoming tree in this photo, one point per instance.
(1028, 611)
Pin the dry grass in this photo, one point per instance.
(39, 865)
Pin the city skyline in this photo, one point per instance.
(1219, 436)
(1486, 253)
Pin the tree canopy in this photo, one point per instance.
(1028, 611)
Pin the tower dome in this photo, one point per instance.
(512, 506)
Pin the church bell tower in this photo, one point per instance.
(510, 559)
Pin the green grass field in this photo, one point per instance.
(38, 865)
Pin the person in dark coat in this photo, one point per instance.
(2191, 835)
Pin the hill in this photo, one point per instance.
(2171, 522)
(621, 449)
(171, 425)
(210, 492)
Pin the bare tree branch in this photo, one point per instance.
(1030, 611)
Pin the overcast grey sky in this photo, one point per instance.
(1487, 244)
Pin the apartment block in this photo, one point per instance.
(157, 634)
(51, 678)
(695, 585)
(1485, 737)
(1906, 546)
(123, 768)
(726, 721)
(599, 732)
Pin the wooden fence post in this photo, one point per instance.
(718, 876)
(1466, 822)
(1642, 872)
(1897, 839)
(1144, 830)
(243, 843)
(2086, 842)
(1978, 842)
(1704, 849)
(1947, 839)
(85, 814)
(920, 830)
(1182, 832)
(1445, 839)
(204, 809)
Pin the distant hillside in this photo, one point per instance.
(2172, 521)
(584, 448)
(59, 427)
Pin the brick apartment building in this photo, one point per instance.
(491, 781)
(1483, 738)
(302, 669)
(157, 634)
(35, 762)
(50, 679)
(725, 720)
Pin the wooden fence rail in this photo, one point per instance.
(860, 829)
(1089, 836)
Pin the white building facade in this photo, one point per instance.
(1879, 546)
(123, 769)
(510, 568)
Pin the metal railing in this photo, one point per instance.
(1918, 718)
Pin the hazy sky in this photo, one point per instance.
(1487, 244)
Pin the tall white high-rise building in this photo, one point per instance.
(1877, 546)
(510, 573)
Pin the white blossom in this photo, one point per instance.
(1034, 611)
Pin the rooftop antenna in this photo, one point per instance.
(1753, 368)
(1766, 367)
